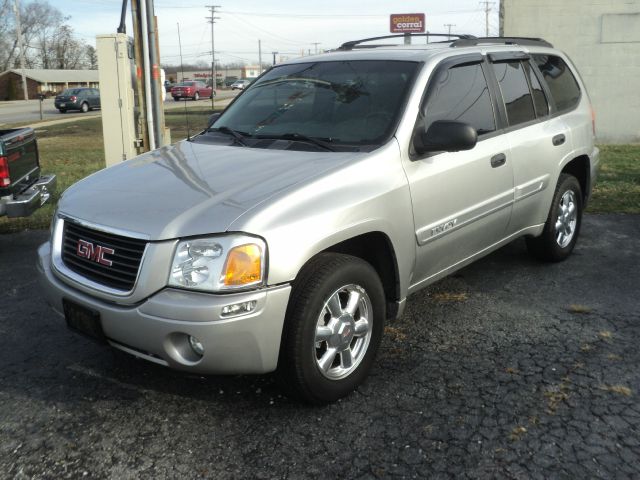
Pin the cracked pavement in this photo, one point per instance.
(510, 368)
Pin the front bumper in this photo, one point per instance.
(27, 202)
(157, 328)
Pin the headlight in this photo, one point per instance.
(219, 263)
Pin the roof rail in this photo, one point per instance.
(356, 43)
(470, 42)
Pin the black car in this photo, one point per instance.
(83, 99)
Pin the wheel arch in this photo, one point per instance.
(580, 167)
(375, 248)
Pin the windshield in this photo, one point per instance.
(185, 84)
(346, 103)
(72, 91)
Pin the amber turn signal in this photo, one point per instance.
(243, 266)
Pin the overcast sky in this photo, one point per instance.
(285, 26)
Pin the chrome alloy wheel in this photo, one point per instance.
(343, 331)
(567, 218)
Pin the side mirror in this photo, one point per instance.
(212, 119)
(446, 136)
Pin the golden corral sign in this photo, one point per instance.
(407, 22)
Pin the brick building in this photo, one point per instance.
(48, 82)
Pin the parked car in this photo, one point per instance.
(168, 86)
(83, 99)
(193, 90)
(240, 84)
(230, 80)
(23, 189)
(286, 234)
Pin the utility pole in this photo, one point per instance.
(449, 25)
(259, 56)
(315, 44)
(16, 10)
(214, 82)
(274, 57)
(487, 9)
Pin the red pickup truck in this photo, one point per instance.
(22, 189)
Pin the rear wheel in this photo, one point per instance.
(62, 110)
(333, 328)
(196, 97)
(84, 108)
(177, 99)
(562, 228)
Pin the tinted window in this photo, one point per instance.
(515, 92)
(539, 98)
(461, 94)
(563, 85)
(345, 102)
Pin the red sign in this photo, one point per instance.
(407, 22)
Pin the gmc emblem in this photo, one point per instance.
(94, 253)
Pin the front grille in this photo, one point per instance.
(126, 256)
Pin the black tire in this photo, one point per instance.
(177, 99)
(84, 108)
(548, 246)
(321, 279)
(196, 97)
(63, 110)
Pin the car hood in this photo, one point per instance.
(189, 188)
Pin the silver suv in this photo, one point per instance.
(287, 233)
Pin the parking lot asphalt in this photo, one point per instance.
(510, 368)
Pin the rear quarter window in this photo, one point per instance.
(562, 84)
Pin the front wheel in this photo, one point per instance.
(84, 108)
(561, 230)
(196, 97)
(333, 328)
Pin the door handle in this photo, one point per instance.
(498, 160)
(558, 140)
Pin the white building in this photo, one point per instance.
(602, 37)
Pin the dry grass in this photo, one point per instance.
(580, 309)
(449, 297)
(556, 395)
(395, 334)
(619, 389)
(517, 433)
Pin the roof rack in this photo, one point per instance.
(470, 42)
(356, 43)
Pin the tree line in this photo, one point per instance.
(48, 39)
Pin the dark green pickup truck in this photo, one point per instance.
(22, 189)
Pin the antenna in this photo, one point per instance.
(186, 113)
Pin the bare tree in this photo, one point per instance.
(92, 57)
(50, 42)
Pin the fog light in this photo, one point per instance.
(196, 346)
(238, 308)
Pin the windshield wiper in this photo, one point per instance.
(234, 133)
(298, 137)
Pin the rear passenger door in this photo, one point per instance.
(537, 138)
(461, 201)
